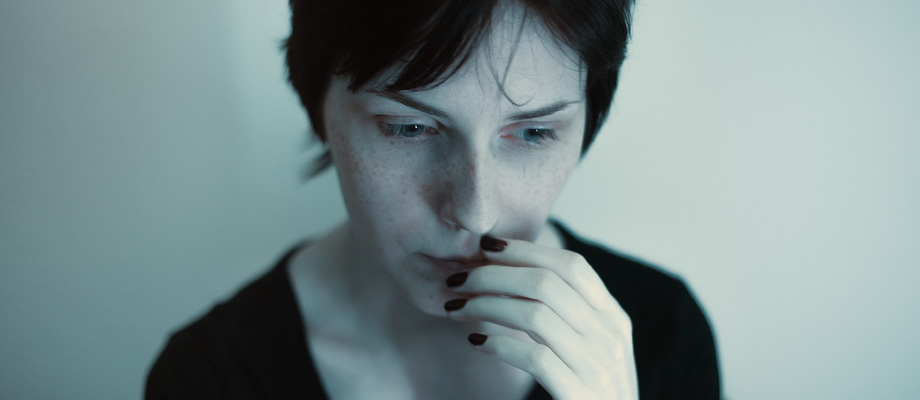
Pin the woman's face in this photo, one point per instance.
(425, 174)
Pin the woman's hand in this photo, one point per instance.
(583, 338)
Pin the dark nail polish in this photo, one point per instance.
(477, 339)
(489, 243)
(457, 279)
(455, 304)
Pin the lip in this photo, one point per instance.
(453, 265)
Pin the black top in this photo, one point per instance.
(253, 346)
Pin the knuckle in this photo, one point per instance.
(540, 359)
(543, 282)
(597, 375)
(579, 267)
(626, 325)
(498, 346)
(574, 260)
(535, 314)
(623, 323)
(619, 351)
(615, 346)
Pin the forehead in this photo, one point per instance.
(518, 62)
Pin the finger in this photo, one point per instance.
(536, 319)
(569, 265)
(536, 359)
(538, 284)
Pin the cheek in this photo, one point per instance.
(541, 179)
(531, 192)
(553, 176)
(359, 173)
(383, 198)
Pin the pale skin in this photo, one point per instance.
(425, 175)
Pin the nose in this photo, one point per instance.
(469, 201)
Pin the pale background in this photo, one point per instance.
(767, 151)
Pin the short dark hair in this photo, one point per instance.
(433, 38)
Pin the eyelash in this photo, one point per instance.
(411, 131)
(542, 134)
(400, 130)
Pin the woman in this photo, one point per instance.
(453, 127)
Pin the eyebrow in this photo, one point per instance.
(543, 111)
(412, 103)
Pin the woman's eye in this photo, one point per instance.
(537, 134)
(406, 130)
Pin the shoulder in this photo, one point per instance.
(672, 338)
(239, 349)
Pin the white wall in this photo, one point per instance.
(766, 151)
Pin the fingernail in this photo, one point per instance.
(457, 279)
(489, 243)
(455, 304)
(477, 339)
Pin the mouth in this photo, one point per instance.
(453, 265)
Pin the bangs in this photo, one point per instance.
(428, 40)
